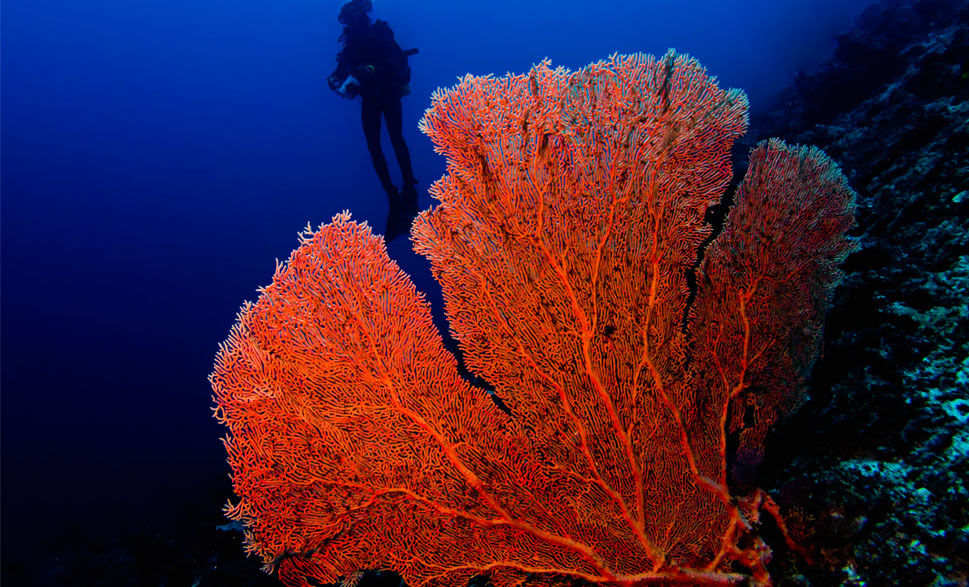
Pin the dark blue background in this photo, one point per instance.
(158, 155)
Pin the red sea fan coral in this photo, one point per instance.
(572, 206)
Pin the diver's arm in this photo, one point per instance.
(343, 70)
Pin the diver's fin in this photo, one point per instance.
(408, 196)
(402, 212)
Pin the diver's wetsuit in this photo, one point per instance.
(372, 56)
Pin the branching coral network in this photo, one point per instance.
(572, 207)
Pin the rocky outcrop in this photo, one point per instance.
(876, 465)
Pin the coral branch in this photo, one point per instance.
(766, 283)
(572, 205)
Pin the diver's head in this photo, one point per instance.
(354, 12)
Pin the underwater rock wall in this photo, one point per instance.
(876, 467)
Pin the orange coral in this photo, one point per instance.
(572, 206)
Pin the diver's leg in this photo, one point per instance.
(370, 115)
(392, 113)
(404, 207)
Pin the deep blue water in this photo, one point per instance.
(158, 155)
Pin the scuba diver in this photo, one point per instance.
(373, 66)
